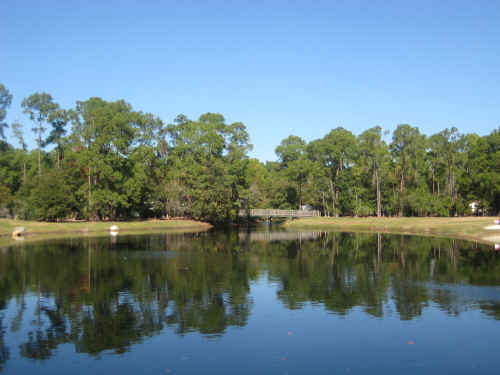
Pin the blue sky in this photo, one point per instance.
(280, 67)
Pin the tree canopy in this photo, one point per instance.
(107, 160)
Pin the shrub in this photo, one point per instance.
(51, 199)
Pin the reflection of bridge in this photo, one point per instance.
(264, 212)
(278, 236)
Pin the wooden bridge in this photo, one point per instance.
(264, 212)
(279, 236)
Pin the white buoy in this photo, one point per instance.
(497, 246)
(497, 222)
(113, 230)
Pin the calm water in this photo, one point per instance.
(250, 303)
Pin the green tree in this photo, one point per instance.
(482, 178)
(148, 166)
(103, 135)
(208, 163)
(39, 107)
(10, 168)
(5, 102)
(260, 182)
(374, 158)
(294, 162)
(335, 153)
(51, 198)
(408, 152)
(17, 130)
(436, 161)
(58, 120)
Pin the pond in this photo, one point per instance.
(272, 302)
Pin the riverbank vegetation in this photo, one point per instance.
(104, 160)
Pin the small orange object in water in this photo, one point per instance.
(283, 358)
(411, 342)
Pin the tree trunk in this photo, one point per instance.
(24, 172)
(379, 195)
(300, 195)
(39, 141)
(401, 190)
(339, 168)
(332, 192)
(325, 207)
(336, 199)
(451, 183)
(432, 181)
(379, 250)
(90, 194)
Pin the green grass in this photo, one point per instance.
(37, 230)
(470, 228)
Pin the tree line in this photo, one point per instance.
(105, 160)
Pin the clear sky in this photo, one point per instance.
(280, 67)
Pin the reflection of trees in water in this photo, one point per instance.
(104, 295)
(349, 270)
(492, 309)
(4, 350)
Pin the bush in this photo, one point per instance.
(5, 201)
(364, 210)
(51, 199)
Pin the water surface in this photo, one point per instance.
(248, 303)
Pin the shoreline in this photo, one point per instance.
(465, 228)
(44, 230)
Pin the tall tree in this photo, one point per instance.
(103, 133)
(17, 129)
(374, 154)
(482, 180)
(207, 167)
(58, 120)
(452, 152)
(408, 151)
(335, 153)
(5, 102)
(39, 107)
(294, 162)
(436, 161)
(148, 166)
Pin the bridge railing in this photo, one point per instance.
(279, 236)
(279, 213)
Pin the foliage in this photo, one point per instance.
(5, 102)
(51, 198)
(39, 107)
(117, 162)
(207, 167)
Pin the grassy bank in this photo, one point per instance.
(469, 228)
(36, 229)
